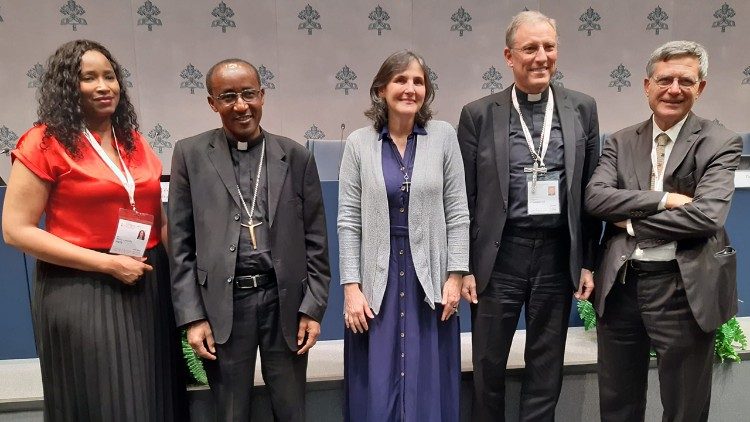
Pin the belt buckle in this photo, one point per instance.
(244, 286)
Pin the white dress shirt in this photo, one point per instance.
(664, 252)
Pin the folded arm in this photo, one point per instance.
(708, 210)
(606, 200)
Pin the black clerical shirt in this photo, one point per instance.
(520, 158)
(245, 163)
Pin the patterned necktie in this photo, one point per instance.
(661, 146)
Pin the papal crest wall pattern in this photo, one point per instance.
(317, 57)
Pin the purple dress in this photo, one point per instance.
(407, 367)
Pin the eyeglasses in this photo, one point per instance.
(230, 98)
(532, 50)
(667, 81)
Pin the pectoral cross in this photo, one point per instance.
(251, 228)
(405, 186)
(534, 170)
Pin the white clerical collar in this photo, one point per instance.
(532, 98)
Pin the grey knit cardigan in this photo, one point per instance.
(438, 213)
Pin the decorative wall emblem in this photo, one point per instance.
(309, 17)
(72, 12)
(492, 76)
(8, 138)
(149, 11)
(620, 77)
(265, 78)
(556, 79)
(379, 18)
(223, 13)
(589, 19)
(432, 76)
(723, 16)
(192, 78)
(346, 76)
(746, 72)
(314, 133)
(658, 20)
(126, 77)
(159, 137)
(461, 18)
(35, 74)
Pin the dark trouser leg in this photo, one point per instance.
(547, 314)
(284, 372)
(495, 318)
(685, 353)
(623, 356)
(231, 374)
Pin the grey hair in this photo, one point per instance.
(674, 49)
(394, 64)
(526, 17)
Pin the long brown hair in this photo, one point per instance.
(394, 64)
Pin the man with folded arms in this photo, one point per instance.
(666, 279)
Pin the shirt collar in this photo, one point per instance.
(672, 132)
(523, 98)
(416, 130)
(249, 144)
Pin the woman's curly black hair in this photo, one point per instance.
(60, 98)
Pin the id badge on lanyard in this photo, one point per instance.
(133, 227)
(133, 230)
(544, 198)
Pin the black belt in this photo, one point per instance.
(254, 281)
(653, 266)
(535, 232)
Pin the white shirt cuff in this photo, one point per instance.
(663, 203)
(629, 225)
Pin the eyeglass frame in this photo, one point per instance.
(528, 52)
(257, 94)
(661, 82)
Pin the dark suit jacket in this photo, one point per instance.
(483, 136)
(701, 166)
(204, 228)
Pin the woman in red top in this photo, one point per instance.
(103, 323)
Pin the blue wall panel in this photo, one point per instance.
(15, 313)
(739, 233)
(15, 307)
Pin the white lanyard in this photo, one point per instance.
(124, 176)
(546, 127)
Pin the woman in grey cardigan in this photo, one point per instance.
(403, 228)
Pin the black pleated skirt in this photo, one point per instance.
(108, 351)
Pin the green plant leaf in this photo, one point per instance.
(193, 362)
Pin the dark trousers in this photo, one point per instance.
(533, 272)
(256, 325)
(648, 310)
